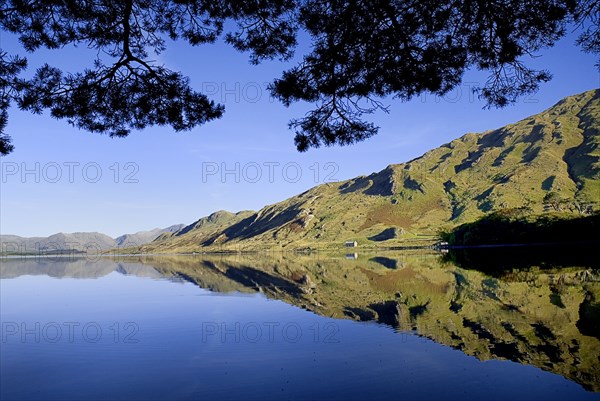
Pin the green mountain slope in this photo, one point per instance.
(203, 232)
(516, 166)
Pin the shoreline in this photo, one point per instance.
(309, 251)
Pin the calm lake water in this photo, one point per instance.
(397, 326)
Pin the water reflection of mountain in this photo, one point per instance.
(547, 317)
(69, 267)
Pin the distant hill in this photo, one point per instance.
(143, 237)
(550, 160)
(78, 242)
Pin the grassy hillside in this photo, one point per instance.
(204, 232)
(549, 161)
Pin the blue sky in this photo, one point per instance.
(157, 177)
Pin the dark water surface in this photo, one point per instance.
(396, 326)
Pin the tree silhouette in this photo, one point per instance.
(362, 51)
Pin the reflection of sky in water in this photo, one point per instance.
(182, 353)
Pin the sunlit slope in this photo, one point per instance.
(514, 166)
